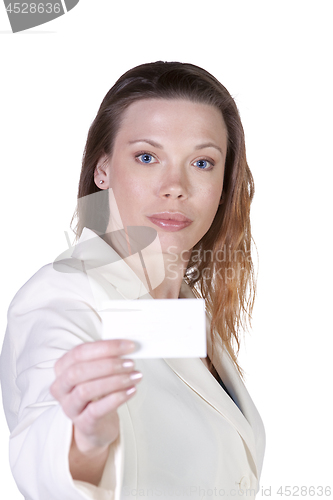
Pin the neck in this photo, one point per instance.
(174, 274)
(163, 272)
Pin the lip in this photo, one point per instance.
(175, 216)
(170, 221)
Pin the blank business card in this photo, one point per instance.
(161, 328)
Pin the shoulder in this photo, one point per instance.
(51, 306)
(52, 283)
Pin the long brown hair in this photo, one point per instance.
(225, 279)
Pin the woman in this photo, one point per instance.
(166, 152)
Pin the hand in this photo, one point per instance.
(92, 381)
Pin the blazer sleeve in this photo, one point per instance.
(50, 315)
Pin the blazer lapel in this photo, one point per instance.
(235, 385)
(195, 374)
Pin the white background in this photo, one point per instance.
(275, 57)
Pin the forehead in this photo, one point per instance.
(173, 118)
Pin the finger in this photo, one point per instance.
(84, 394)
(94, 350)
(79, 373)
(97, 410)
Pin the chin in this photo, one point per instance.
(172, 246)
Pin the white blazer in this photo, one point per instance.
(181, 435)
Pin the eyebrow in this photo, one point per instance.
(159, 146)
(148, 141)
(209, 145)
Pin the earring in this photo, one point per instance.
(101, 182)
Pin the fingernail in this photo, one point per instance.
(131, 390)
(128, 345)
(136, 376)
(128, 364)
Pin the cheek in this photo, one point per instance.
(213, 198)
(125, 185)
(131, 197)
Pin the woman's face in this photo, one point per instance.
(166, 169)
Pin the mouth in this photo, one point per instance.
(170, 221)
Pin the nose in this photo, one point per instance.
(174, 184)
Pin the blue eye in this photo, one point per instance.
(146, 158)
(202, 164)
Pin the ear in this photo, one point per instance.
(222, 198)
(101, 177)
